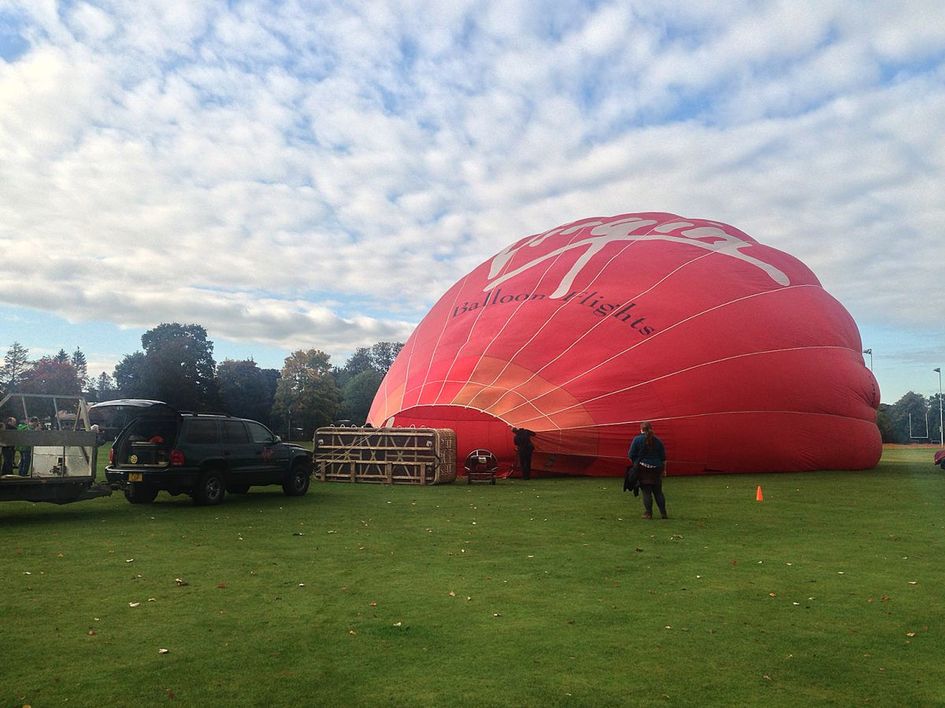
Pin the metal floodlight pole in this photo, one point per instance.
(941, 423)
(870, 352)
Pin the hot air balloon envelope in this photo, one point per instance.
(733, 349)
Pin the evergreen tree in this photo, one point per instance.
(104, 387)
(81, 367)
(15, 364)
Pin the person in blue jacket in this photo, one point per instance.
(649, 461)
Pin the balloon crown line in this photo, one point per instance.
(600, 233)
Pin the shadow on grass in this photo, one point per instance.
(25, 514)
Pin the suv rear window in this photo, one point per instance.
(203, 432)
(151, 429)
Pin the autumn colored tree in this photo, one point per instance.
(49, 375)
(307, 396)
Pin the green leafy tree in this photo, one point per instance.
(15, 363)
(935, 421)
(908, 414)
(361, 376)
(358, 394)
(181, 366)
(377, 358)
(133, 377)
(383, 355)
(307, 395)
(885, 424)
(245, 390)
(51, 376)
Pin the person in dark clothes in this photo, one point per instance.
(523, 443)
(8, 451)
(649, 461)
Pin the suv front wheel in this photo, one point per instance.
(210, 489)
(297, 480)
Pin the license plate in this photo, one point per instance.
(135, 477)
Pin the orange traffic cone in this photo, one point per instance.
(758, 495)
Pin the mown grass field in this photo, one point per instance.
(550, 592)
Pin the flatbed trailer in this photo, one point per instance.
(64, 455)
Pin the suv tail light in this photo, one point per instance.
(111, 456)
(177, 458)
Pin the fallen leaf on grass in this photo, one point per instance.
(913, 582)
(163, 651)
(910, 634)
(452, 594)
(91, 632)
(181, 582)
(133, 604)
(373, 604)
(221, 586)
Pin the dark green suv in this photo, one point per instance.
(204, 455)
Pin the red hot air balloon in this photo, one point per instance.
(733, 349)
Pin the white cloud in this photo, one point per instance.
(298, 172)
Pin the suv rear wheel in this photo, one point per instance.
(210, 489)
(297, 480)
(138, 493)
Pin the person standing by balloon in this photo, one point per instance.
(648, 456)
(523, 443)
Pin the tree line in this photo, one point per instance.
(176, 365)
(912, 419)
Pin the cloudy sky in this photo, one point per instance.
(315, 174)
